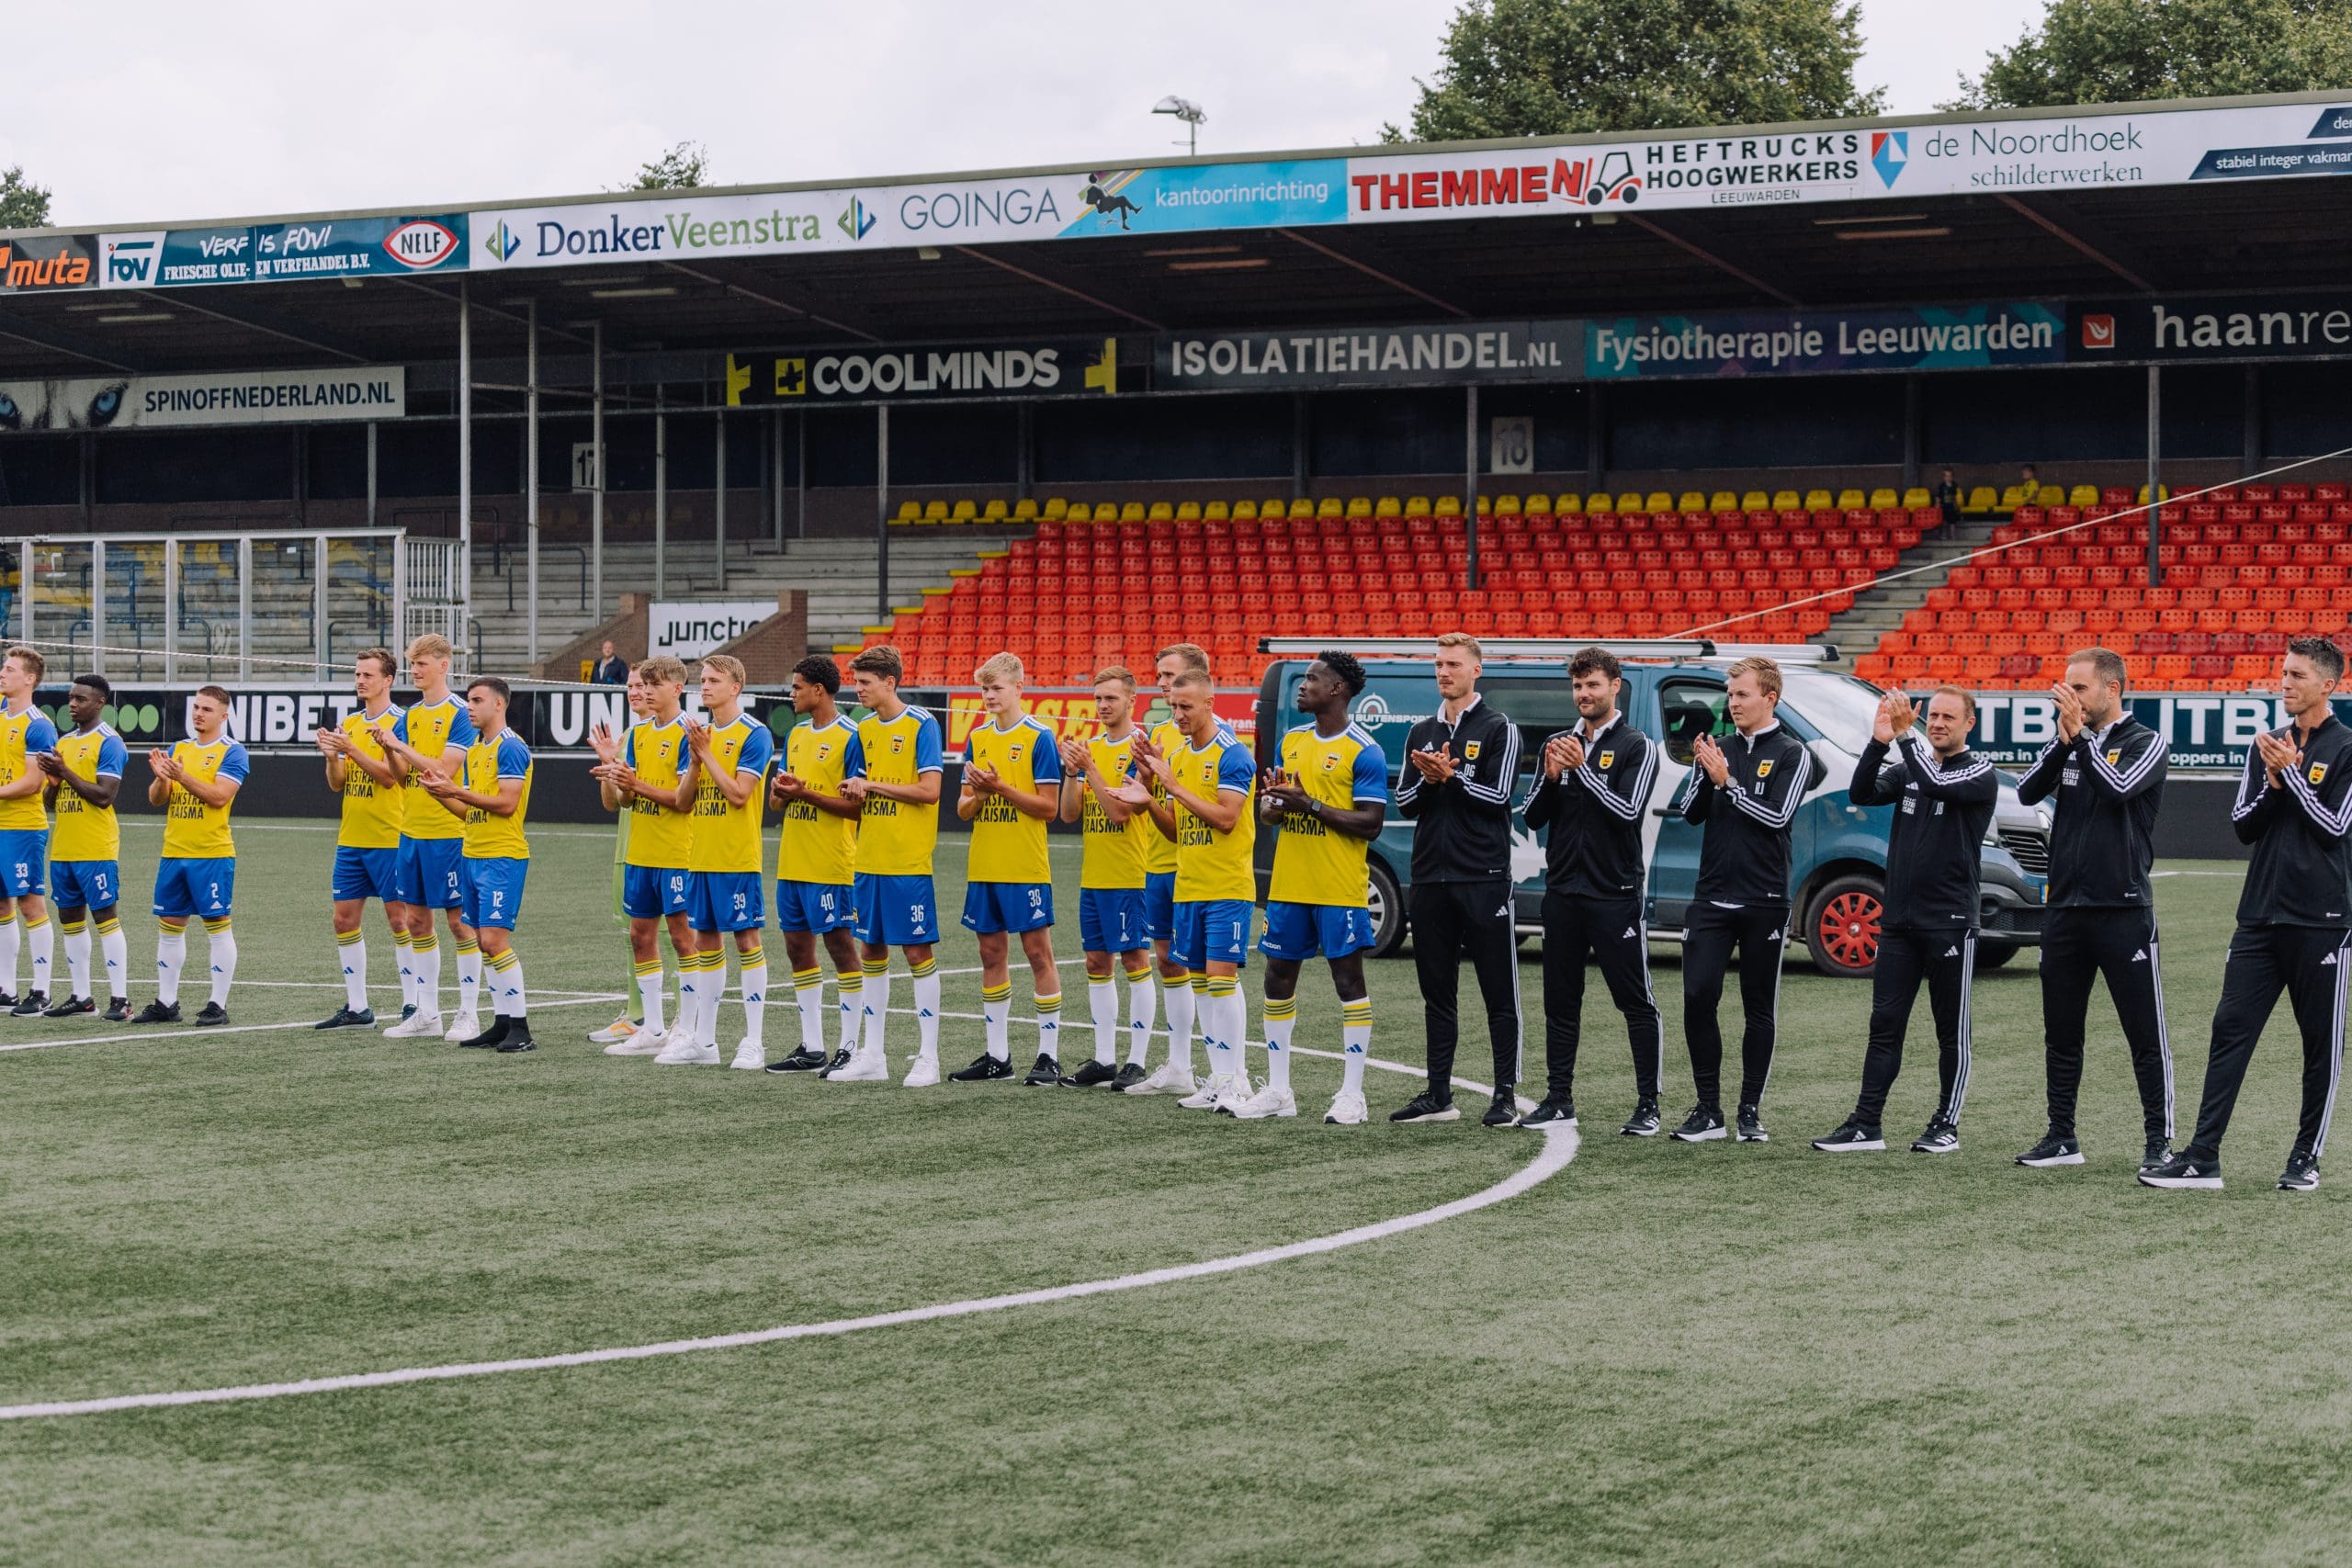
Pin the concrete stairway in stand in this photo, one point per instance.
(1881, 610)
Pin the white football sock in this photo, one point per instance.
(78, 960)
(12, 939)
(927, 1008)
(808, 991)
(353, 955)
(1356, 1037)
(171, 956)
(1103, 1002)
(1049, 1025)
(996, 1008)
(756, 997)
(469, 977)
(115, 948)
(1181, 1007)
(425, 954)
(873, 1001)
(507, 996)
(848, 987)
(1280, 1018)
(649, 998)
(220, 950)
(41, 943)
(1143, 1002)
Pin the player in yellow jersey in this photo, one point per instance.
(815, 868)
(367, 844)
(490, 800)
(897, 830)
(1202, 803)
(726, 782)
(1174, 1076)
(195, 783)
(1330, 796)
(84, 775)
(641, 775)
(1110, 883)
(25, 733)
(1012, 776)
(431, 736)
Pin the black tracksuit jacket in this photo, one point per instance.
(2108, 786)
(1462, 828)
(1744, 859)
(1943, 808)
(1595, 814)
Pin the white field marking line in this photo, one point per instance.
(337, 985)
(136, 1037)
(2239, 874)
(1557, 1150)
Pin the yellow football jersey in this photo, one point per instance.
(85, 831)
(192, 830)
(1009, 845)
(894, 839)
(1210, 864)
(371, 814)
(21, 734)
(489, 763)
(429, 729)
(1159, 854)
(1314, 864)
(813, 845)
(659, 838)
(727, 837)
(1115, 852)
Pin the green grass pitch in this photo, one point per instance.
(1664, 1354)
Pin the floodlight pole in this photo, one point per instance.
(596, 494)
(660, 497)
(881, 513)
(2155, 513)
(531, 477)
(465, 470)
(1470, 482)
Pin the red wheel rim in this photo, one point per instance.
(1849, 929)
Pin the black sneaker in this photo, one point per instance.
(1942, 1137)
(1129, 1075)
(840, 1060)
(119, 1010)
(2156, 1155)
(1501, 1112)
(2187, 1172)
(1751, 1127)
(211, 1015)
(1090, 1074)
(1427, 1106)
(1043, 1073)
(518, 1038)
(1703, 1125)
(801, 1061)
(343, 1018)
(2055, 1149)
(985, 1068)
(1555, 1110)
(34, 1004)
(70, 1006)
(408, 1010)
(1851, 1137)
(2302, 1174)
(1643, 1122)
(7, 1001)
(488, 1040)
(159, 1012)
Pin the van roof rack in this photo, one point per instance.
(1560, 649)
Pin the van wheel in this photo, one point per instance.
(1386, 907)
(1841, 925)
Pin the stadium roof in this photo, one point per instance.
(2119, 199)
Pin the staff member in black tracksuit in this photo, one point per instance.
(1943, 798)
(2107, 773)
(1747, 793)
(2295, 932)
(1591, 791)
(1460, 764)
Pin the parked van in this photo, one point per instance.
(1837, 877)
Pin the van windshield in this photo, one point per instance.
(1840, 706)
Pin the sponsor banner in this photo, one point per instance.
(1783, 342)
(1069, 712)
(2202, 732)
(1042, 368)
(213, 398)
(2092, 150)
(1497, 351)
(665, 228)
(689, 630)
(328, 247)
(47, 264)
(2242, 327)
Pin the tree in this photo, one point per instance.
(2107, 51)
(1550, 67)
(23, 205)
(682, 167)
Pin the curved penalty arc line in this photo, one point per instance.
(1558, 1148)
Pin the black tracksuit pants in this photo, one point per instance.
(2308, 962)
(1451, 921)
(1611, 930)
(2078, 946)
(1758, 931)
(1946, 960)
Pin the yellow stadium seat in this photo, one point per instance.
(1055, 509)
(1387, 506)
(1658, 501)
(1723, 501)
(1359, 506)
(1787, 501)
(1186, 510)
(1983, 498)
(1883, 500)
(1161, 512)
(1303, 507)
(2164, 492)
(1077, 513)
(2052, 496)
(1416, 506)
(1217, 512)
(1506, 506)
(909, 512)
(1272, 509)
(965, 512)
(935, 511)
(1486, 506)
(1916, 497)
(1691, 500)
(1848, 499)
(2083, 495)
(1819, 501)
(1756, 500)
(1568, 506)
(1630, 500)
(1245, 512)
(1449, 506)
(1331, 506)
(1131, 513)
(2014, 497)
(1024, 512)
(994, 512)
(1538, 506)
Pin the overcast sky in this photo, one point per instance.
(146, 110)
